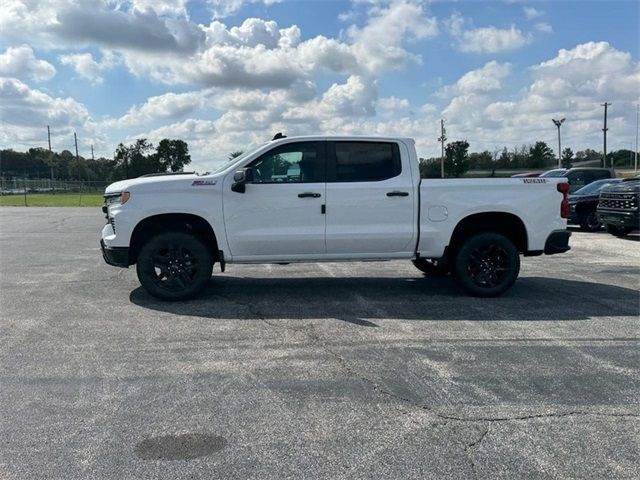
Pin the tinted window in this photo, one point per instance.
(364, 161)
(301, 162)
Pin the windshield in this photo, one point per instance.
(554, 173)
(595, 187)
(236, 160)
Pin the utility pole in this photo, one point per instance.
(558, 123)
(442, 139)
(75, 139)
(604, 158)
(636, 152)
(92, 157)
(50, 154)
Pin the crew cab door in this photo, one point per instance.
(280, 212)
(370, 204)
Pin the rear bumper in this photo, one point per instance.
(116, 256)
(557, 242)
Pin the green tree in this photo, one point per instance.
(456, 158)
(540, 155)
(567, 158)
(429, 168)
(172, 155)
(134, 160)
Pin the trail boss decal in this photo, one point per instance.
(534, 180)
(201, 183)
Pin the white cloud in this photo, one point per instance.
(485, 39)
(532, 13)
(543, 27)
(225, 8)
(487, 79)
(20, 62)
(87, 67)
(572, 85)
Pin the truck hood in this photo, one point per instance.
(164, 182)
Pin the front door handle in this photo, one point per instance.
(309, 195)
(397, 194)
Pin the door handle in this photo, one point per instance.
(309, 195)
(397, 194)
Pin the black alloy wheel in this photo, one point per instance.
(486, 265)
(174, 266)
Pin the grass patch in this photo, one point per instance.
(53, 200)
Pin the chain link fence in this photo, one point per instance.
(47, 192)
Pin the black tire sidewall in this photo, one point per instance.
(618, 231)
(144, 265)
(461, 262)
(584, 222)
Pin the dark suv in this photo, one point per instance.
(583, 203)
(618, 207)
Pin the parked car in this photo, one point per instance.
(579, 177)
(556, 172)
(583, 204)
(352, 199)
(618, 207)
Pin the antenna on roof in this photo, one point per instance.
(278, 136)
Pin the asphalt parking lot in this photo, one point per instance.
(313, 371)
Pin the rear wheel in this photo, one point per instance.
(618, 231)
(486, 265)
(174, 266)
(589, 222)
(431, 267)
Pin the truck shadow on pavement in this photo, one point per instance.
(362, 300)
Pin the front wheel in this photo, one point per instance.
(486, 265)
(174, 266)
(589, 222)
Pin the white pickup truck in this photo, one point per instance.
(329, 199)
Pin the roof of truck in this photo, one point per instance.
(344, 137)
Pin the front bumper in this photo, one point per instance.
(557, 242)
(620, 218)
(116, 256)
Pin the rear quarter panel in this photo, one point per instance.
(445, 202)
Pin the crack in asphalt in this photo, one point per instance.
(469, 451)
(347, 367)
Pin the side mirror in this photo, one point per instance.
(240, 179)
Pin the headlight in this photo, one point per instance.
(116, 198)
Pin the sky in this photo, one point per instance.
(228, 75)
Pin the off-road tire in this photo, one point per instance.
(486, 265)
(174, 266)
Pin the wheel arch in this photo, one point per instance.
(166, 222)
(504, 223)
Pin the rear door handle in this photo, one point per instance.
(397, 194)
(309, 195)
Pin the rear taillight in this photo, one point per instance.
(563, 188)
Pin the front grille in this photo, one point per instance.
(618, 201)
(112, 221)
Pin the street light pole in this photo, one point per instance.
(557, 124)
